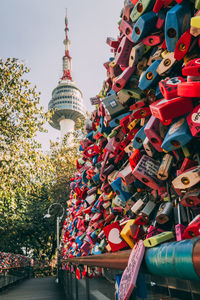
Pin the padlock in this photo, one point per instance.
(153, 40)
(95, 100)
(117, 188)
(160, 4)
(192, 68)
(143, 26)
(167, 110)
(138, 104)
(179, 228)
(155, 55)
(177, 136)
(137, 206)
(147, 210)
(135, 158)
(168, 87)
(126, 233)
(164, 212)
(113, 107)
(158, 239)
(187, 164)
(137, 54)
(116, 121)
(126, 28)
(164, 169)
(146, 171)
(155, 133)
(183, 45)
(141, 66)
(123, 52)
(141, 113)
(150, 76)
(112, 233)
(140, 8)
(153, 230)
(187, 179)
(112, 42)
(126, 175)
(191, 198)
(193, 120)
(166, 64)
(193, 228)
(120, 81)
(150, 150)
(139, 138)
(177, 22)
(127, 11)
(114, 69)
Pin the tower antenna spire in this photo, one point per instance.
(66, 58)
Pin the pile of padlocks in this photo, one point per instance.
(138, 177)
(10, 261)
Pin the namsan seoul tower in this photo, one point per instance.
(66, 103)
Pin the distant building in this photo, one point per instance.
(66, 102)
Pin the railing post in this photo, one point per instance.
(87, 288)
(76, 282)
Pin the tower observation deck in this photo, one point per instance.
(66, 103)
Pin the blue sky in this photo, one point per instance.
(33, 30)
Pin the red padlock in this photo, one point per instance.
(189, 89)
(169, 87)
(183, 45)
(193, 120)
(192, 68)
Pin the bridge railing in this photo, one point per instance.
(13, 268)
(113, 263)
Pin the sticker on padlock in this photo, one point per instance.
(112, 233)
(113, 107)
(177, 136)
(187, 179)
(177, 22)
(193, 120)
(143, 26)
(146, 171)
(158, 239)
(150, 76)
(169, 86)
(167, 110)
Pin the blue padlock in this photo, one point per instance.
(139, 138)
(117, 188)
(116, 121)
(96, 179)
(95, 159)
(177, 136)
(150, 76)
(177, 22)
(144, 25)
(79, 241)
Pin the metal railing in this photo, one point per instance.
(13, 275)
(171, 287)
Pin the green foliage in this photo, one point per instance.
(30, 180)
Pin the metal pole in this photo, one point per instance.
(57, 237)
(76, 282)
(87, 288)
